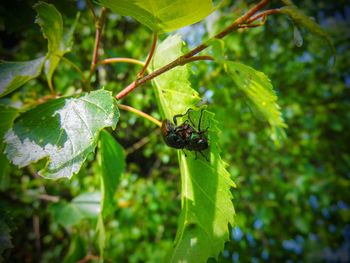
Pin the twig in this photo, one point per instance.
(89, 257)
(36, 228)
(75, 66)
(140, 113)
(91, 7)
(52, 89)
(137, 145)
(150, 55)
(49, 198)
(263, 15)
(99, 27)
(186, 58)
(121, 60)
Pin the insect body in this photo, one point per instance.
(185, 136)
(171, 135)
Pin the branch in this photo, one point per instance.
(189, 56)
(75, 66)
(121, 60)
(99, 27)
(263, 15)
(140, 113)
(150, 55)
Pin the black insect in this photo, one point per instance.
(185, 136)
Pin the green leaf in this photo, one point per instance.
(64, 131)
(302, 20)
(162, 15)
(14, 74)
(65, 214)
(7, 116)
(112, 162)
(50, 21)
(88, 204)
(173, 89)
(76, 250)
(59, 42)
(84, 206)
(207, 208)
(259, 91)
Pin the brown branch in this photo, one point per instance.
(88, 258)
(99, 27)
(189, 56)
(150, 55)
(230, 28)
(263, 15)
(49, 198)
(36, 230)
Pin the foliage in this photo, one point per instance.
(122, 202)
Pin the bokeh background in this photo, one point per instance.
(292, 202)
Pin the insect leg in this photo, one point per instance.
(206, 158)
(180, 115)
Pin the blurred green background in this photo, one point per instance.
(292, 203)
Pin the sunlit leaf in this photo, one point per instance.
(259, 91)
(88, 204)
(112, 162)
(303, 20)
(59, 42)
(173, 89)
(63, 131)
(207, 208)
(14, 74)
(162, 15)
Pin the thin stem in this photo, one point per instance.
(143, 141)
(99, 27)
(188, 57)
(52, 89)
(170, 66)
(75, 66)
(91, 7)
(150, 55)
(197, 58)
(140, 113)
(230, 28)
(263, 15)
(121, 60)
(49, 198)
